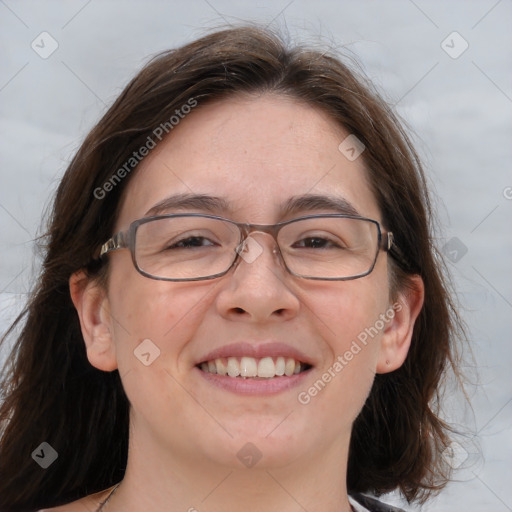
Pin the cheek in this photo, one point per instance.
(347, 318)
(152, 317)
(153, 321)
(346, 310)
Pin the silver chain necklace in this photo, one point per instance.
(100, 508)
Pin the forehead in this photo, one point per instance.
(256, 153)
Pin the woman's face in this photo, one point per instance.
(256, 154)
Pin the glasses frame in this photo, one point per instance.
(126, 240)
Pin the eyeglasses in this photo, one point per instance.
(193, 247)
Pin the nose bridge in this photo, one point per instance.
(269, 229)
(249, 230)
(252, 247)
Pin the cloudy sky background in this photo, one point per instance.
(457, 101)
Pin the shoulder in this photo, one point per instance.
(88, 504)
(371, 504)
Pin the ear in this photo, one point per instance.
(397, 336)
(91, 302)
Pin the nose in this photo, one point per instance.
(258, 288)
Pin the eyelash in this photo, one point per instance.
(184, 241)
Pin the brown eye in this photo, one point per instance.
(193, 241)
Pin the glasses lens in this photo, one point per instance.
(185, 247)
(329, 247)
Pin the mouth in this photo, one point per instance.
(262, 368)
(246, 367)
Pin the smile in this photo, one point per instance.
(255, 368)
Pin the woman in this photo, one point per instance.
(240, 307)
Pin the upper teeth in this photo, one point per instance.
(265, 367)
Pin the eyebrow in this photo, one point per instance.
(210, 204)
(318, 202)
(215, 205)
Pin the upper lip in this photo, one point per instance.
(256, 350)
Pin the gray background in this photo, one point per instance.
(459, 109)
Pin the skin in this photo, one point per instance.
(185, 434)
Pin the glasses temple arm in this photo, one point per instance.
(118, 241)
(388, 244)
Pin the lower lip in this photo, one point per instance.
(250, 386)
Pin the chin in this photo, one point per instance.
(269, 449)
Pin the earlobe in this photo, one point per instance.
(91, 303)
(397, 336)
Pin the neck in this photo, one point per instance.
(160, 482)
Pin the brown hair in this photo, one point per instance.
(50, 391)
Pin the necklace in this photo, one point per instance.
(100, 508)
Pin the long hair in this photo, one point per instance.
(51, 393)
